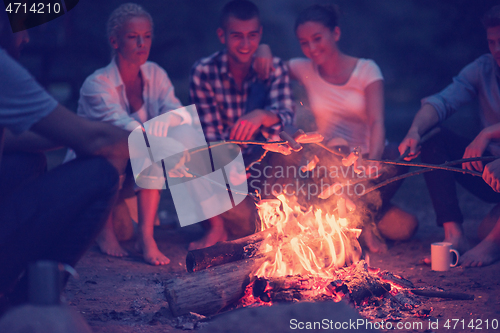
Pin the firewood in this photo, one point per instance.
(226, 252)
(208, 291)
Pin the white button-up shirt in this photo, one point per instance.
(103, 96)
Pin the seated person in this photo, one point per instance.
(346, 97)
(478, 80)
(57, 215)
(219, 87)
(126, 93)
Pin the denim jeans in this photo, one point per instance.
(55, 216)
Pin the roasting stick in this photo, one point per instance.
(418, 172)
(429, 167)
(236, 142)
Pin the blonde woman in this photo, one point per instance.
(126, 93)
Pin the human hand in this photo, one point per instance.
(159, 126)
(412, 142)
(491, 175)
(263, 63)
(247, 125)
(179, 169)
(476, 149)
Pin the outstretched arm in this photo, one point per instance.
(263, 63)
(477, 147)
(441, 106)
(86, 137)
(28, 142)
(426, 118)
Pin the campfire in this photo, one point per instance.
(298, 255)
(315, 256)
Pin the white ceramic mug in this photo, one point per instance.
(441, 258)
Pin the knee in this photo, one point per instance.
(398, 225)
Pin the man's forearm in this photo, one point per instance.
(492, 132)
(84, 136)
(28, 142)
(425, 119)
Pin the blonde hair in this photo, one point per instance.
(122, 14)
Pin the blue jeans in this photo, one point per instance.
(54, 217)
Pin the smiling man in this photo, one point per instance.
(232, 103)
(480, 80)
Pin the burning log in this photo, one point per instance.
(226, 252)
(289, 289)
(361, 284)
(355, 281)
(208, 291)
(395, 279)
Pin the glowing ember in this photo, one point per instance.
(306, 242)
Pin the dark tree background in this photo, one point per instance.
(419, 44)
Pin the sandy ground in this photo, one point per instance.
(126, 295)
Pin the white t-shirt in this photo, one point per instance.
(339, 110)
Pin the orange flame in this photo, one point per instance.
(305, 243)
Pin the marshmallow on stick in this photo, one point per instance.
(310, 165)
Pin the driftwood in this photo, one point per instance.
(443, 294)
(208, 291)
(226, 252)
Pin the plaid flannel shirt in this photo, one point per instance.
(220, 103)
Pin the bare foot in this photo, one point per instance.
(453, 233)
(152, 255)
(214, 235)
(108, 244)
(374, 243)
(483, 254)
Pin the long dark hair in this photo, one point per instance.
(326, 15)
